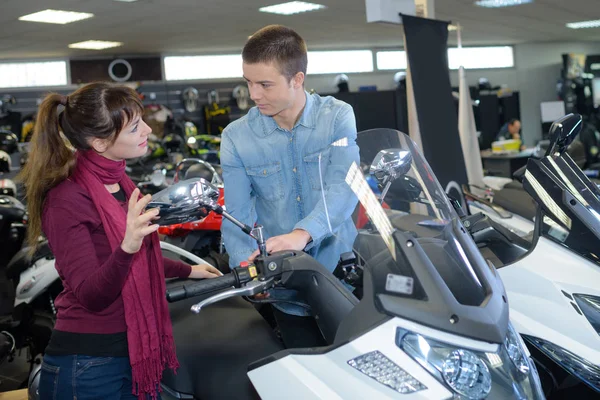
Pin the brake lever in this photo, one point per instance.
(250, 289)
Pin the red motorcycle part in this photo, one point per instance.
(212, 222)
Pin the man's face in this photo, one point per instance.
(514, 128)
(269, 89)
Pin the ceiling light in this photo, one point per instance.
(292, 7)
(126, 1)
(452, 27)
(95, 45)
(584, 24)
(56, 16)
(501, 3)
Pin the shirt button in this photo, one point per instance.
(291, 140)
(264, 172)
(298, 198)
(294, 169)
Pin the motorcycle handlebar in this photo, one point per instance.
(202, 287)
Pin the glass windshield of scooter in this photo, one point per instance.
(415, 212)
(571, 204)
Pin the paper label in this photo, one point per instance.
(399, 284)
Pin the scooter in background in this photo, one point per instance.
(552, 275)
(505, 200)
(28, 285)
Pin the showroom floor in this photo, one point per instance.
(13, 374)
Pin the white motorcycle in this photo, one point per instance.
(552, 276)
(432, 323)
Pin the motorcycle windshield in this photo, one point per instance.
(570, 202)
(416, 215)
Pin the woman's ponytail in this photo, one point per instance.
(49, 162)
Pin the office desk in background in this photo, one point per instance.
(504, 165)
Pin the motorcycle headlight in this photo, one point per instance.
(572, 363)
(474, 375)
(514, 346)
(467, 374)
(377, 366)
(590, 307)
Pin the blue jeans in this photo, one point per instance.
(86, 378)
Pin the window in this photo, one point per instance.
(334, 62)
(230, 66)
(28, 74)
(469, 57)
(481, 57)
(395, 60)
(203, 67)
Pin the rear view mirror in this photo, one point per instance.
(562, 133)
(184, 201)
(389, 165)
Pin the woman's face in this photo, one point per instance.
(131, 142)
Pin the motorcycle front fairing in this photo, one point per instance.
(433, 321)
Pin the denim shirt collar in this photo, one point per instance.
(307, 119)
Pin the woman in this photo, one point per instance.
(113, 334)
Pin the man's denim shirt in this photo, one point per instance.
(272, 178)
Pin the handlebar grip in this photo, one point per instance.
(202, 287)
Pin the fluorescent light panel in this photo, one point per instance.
(95, 45)
(30, 74)
(501, 3)
(126, 1)
(56, 17)
(292, 7)
(584, 24)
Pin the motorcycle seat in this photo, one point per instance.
(216, 346)
(516, 200)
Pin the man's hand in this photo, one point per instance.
(295, 240)
(204, 271)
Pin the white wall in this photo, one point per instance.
(537, 68)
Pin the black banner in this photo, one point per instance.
(427, 54)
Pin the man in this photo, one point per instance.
(278, 157)
(510, 130)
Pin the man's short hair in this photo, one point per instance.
(276, 43)
(512, 121)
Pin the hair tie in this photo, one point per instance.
(64, 99)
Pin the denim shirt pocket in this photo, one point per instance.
(267, 180)
(311, 166)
